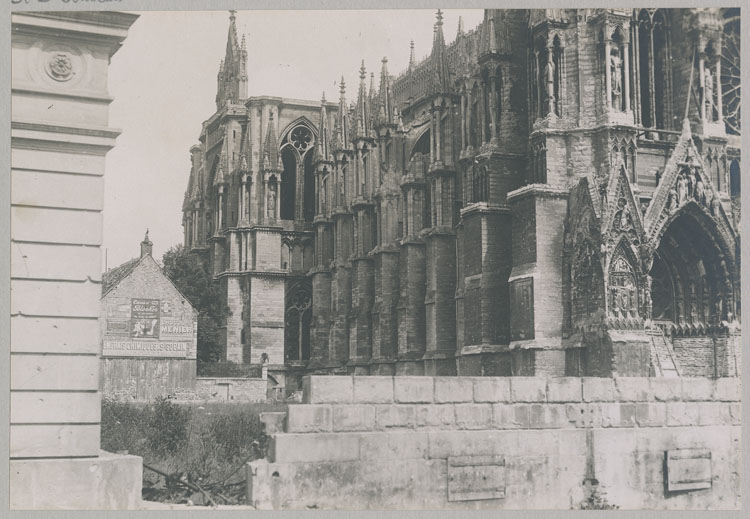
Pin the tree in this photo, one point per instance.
(196, 283)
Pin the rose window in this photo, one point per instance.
(301, 138)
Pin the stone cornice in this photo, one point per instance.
(540, 190)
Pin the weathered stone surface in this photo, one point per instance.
(566, 389)
(651, 414)
(528, 389)
(510, 416)
(666, 389)
(633, 389)
(438, 416)
(326, 390)
(108, 482)
(409, 390)
(356, 417)
(727, 389)
(491, 389)
(473, 416)
(596, 389)
(387, 416)
(453, 389)
(373, 390)
(309, 418)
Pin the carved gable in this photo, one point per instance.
(685, 181)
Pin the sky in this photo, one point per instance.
(163, 81)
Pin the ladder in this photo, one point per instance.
(662, 356)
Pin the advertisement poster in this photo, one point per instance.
(144, 318)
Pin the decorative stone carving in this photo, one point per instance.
(60, 66)
(708, 93)
(615, 64)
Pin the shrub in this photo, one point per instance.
(168, 427)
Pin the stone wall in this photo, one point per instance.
(238, 389)
(504, 442)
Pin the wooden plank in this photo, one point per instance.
(57, 190)
(41, 441)
(64, 262)
(45, 160)
(54, 372)
(50, 407)
(55, 226)
(52, 298)
(54, 335)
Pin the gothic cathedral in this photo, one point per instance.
(556, 192)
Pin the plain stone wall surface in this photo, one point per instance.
(59, 140)
(231, 388)
(397, 435)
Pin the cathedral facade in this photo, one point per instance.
(555, 192)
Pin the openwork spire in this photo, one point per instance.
(232, 79)
(324, 147)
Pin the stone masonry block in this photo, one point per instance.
(528, 389)
(547, 416)
(564, 389)
(583, 415)
(666, 389)
(596, 389)
(355, 417)
(318, 389)
(453, 389)
(727, 389)
(616, 414)
(408, 390)
(682, 414)
(473, 416)
(433, 415)
(510, 416)
(393, 445)
(713, 413)
(697, 389)
(735, 413)
(373, 390)
(491, 389)
(387, 416)
(651, 414)
(633, 389)
(320, 447)
(308, 418)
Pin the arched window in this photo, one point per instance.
(297, 324)
(485, 106)
(297, 162)
(653, 67)
(734, 178)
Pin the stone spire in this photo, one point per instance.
(361, 117)
(324, 146)
(271, 158)
(232, 79)
(412, 61)
(438, 57)
(385, 108)
(341, 130)
(461, 31)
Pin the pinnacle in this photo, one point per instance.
(362, 71)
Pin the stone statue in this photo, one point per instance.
(715, 205)
(624, 218)
(672, 201)
(549, 83)
(708, 93)
(682, 189)
(700, 191)
(616, 75)
(272, 201)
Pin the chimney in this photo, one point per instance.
(147, 246)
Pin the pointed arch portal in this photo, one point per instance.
(692, 273)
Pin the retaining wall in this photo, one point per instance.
(504, 442)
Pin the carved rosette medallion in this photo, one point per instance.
(60, 66)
